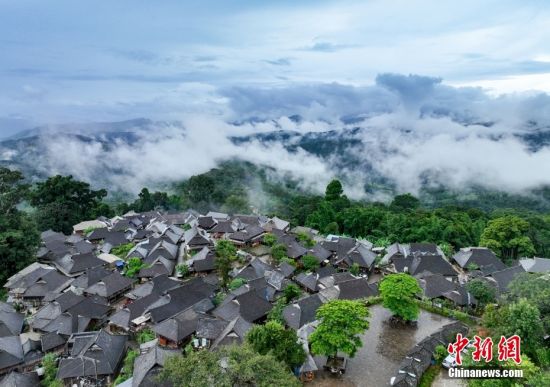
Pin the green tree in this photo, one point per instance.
(133, 266)
(236, 283)
(332, 228)
(122, 250)
(398, 292)
(291, 292)
(310, 262)
(405, 202)
(226, 254)
(341, 323)
(127, 367)
(49, 362)
(183, 269)
(227, 367)
(278, 252)
(305, 239)
(145, 336)
(535, 287)
(269, 239)
(355, 269)
(280, 342)
(235, 204)
(19, 238)
(61, 202)
(507, 237)
(334, 190)
(482, 291)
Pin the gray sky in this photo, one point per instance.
(68, 61)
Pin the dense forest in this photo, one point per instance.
(513, 227)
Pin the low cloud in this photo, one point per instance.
(410, 131)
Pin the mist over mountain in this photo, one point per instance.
(402, 134)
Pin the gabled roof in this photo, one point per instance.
(434, 264)
(504, 277)
(51, 340)
(480, 256)
(224, 227)
(247, 234)
(145, 362)
(535, 265)
(11, 322)
(93, 353)
(302, 311)
(16, 379)
(183, 297)
(210, 328)
(206, 222)
(319, 252)
(72, 265)
(356, 289)
(308, 280)
(179, 327)
(424, 249)
(110, 285)
(436, 285)
(11, 351)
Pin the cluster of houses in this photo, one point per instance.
(79, 301)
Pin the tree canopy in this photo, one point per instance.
(280, 342)
(19, 238)
(341, 323)
(227, 367)
(62, 202)
(226, 254)
(507, 237)
(482, 291)
(398, 292)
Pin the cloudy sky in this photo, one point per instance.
(67, 61)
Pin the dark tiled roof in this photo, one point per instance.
(479, 256)
(302, 311)
(93, 353)
(504, 277)
(11, 351)
(423, 249)
(51, 341)
(11, 322)
(16, 379)
(110, 285)
(356, 288)
(434, 264)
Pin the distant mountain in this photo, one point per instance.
(349, 151)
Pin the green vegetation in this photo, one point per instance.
(49, 362)
(429, 376)
(482, 291)
(342, 321)
(242, 366)
(133, 266)
(127, 367)
(19, 238)
(236, 283)
(272, 338)
(309, 262)
(398, 292)
(508, 237)
(61, 202)
(291, 292)
(269, 239)
(122, 250)
(278, 252)
(305, 239)
(227, 254)
(183, 270)
(145, 335)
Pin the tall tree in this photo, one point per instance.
(280, 342)
(227, 367)
(507, 237)
(61, 202)
(482, 291)
(226, 254)
(19, 238)
(334, 190)
(398, 292)
(341, 323)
